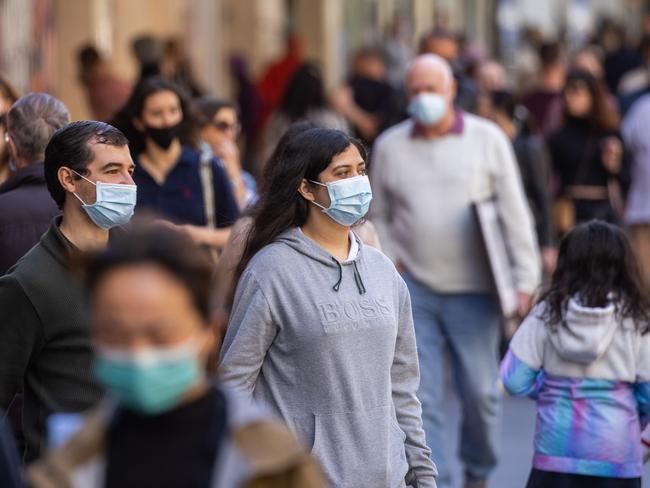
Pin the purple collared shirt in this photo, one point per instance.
(457, 127)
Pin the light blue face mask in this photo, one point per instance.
(151, 381)
(349, 199)
(428, 108)
(114, 203)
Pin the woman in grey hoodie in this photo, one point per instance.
(321, 328)
(584, 355)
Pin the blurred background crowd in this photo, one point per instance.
(558, 76)
(567, 81)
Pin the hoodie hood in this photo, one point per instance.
(587, 332)
(298, 241)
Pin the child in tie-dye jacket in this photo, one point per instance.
(584, 356)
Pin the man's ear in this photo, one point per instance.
(67, 179)
(306, 190)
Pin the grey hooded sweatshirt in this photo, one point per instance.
(330, 348)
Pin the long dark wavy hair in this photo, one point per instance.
(135, 105)
(597, 265)
(302, 154)
(603, 114)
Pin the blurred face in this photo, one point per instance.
(371, 67)
(444, 47)
(491, 76)
(589, 62)
(578, 99)
(161, 109)
(139, 307)
(224, 127)
(426, 77)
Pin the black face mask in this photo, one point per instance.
(163, 136)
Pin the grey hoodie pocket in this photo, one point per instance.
(361, 448)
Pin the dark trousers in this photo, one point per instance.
(548, 479)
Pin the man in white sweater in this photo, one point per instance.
(426, 173)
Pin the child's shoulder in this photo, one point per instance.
(532, 333)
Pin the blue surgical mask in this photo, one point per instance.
(349, 199)
(150, 381)
(428, 108)
(114, 203)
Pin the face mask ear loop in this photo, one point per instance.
(318, 205)
(82, 176)
(313, 201)
(79, 198)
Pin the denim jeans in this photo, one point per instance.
(466, 327)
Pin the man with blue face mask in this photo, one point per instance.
(44, 335)
(426, 173)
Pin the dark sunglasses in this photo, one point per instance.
(225, 126)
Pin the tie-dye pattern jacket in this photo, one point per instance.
(590, 377)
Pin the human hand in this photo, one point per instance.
(229, 154)
(549, 259)
(194, 232)
(612, 152)
(342, 99)
(525, 301)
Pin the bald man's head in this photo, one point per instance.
(430, 73)
(431, 89)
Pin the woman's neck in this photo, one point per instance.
(329, 235)
(158, 161)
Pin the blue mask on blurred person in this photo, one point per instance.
(428, 108)
(150, 381)
(349, 199)
(114, 203)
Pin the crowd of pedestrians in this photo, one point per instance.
(278, 291)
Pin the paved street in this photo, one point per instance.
(517, 429)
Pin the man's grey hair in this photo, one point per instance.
(32, 120)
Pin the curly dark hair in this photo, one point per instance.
(597, 265)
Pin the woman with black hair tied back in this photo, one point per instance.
(321, 329)
(584, 355)
(172, 177)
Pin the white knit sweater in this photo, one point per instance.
(422, 206)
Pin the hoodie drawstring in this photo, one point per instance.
(357, 277)
(338, 283)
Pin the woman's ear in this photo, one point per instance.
(306, 190)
